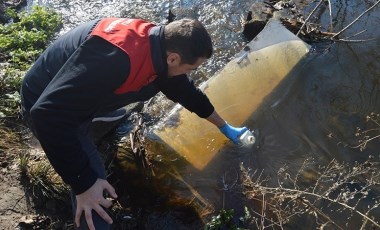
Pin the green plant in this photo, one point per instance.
(45, 182)
(23, 163)
(25, 38)
(9, 104)
(223, 219)
(21, 41)
(12, 13)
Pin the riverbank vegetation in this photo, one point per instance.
(316, 195)
(320, 194)
(21, 41)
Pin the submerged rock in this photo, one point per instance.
(180, 13)
(257, 17)
(288, 12)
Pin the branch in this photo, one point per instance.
(325, 198)
(310, 205)
(349, 25)
(330, 12)
(362, 40)
(355, 34)
(312, 12)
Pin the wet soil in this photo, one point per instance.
(19, 207)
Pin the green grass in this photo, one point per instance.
(21, 41)
(42, 180)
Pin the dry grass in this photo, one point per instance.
(334, 196)
(43, 181)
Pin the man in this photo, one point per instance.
(99, 67)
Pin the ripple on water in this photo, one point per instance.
(223, 19)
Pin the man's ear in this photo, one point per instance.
(173, 59)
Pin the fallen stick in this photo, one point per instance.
(312, 12)
(349, 25)
(330, 12)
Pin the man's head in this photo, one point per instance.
(188, 45)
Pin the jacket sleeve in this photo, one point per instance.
(181, 89)
(75, 93)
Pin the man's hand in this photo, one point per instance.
(93, 199)
(229, 131)
(232, 133)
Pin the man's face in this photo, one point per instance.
(175, 68)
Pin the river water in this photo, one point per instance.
(315, 114)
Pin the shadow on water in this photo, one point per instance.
(295, 121)
(152, 189)
(313, 113)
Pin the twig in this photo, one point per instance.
(263, 207)
(370, 130)
(330, 12)
(344, 40)
(328, 199)
(327, 33)
(265, 218)
(323, 174)
(312, 12)
(355, 34)
(364, 143)
(349, 25)
(310, 205)
(272, 223)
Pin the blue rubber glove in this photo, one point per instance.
(232, 133)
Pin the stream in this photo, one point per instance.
(315, 115)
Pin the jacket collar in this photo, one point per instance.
(158, 53)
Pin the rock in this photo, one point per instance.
(256, 20)
(99, 129)
(4, 164)
(27, 220)
(284, 4)
(261, 11)
(180, 13)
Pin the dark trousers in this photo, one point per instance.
(96, 163)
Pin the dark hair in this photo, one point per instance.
(189, 39)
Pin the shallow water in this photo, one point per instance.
(315, 113)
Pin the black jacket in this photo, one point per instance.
(75, 78)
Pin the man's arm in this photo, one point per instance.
(182, 90)
(217, 120)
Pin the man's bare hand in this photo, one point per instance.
(93, 199)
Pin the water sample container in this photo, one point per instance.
(247, 138)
